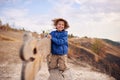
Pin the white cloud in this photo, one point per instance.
(9, 1)
(95, 6)
(86, 17)
(92, 17)
(20, 18)
(13, 13)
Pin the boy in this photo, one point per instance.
(59, 45)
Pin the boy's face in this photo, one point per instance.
(60, 25)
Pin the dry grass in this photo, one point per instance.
(107, 61)
(6, 38)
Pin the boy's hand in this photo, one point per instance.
(49, 36)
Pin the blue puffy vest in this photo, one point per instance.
(59, 42)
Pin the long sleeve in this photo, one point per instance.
(61, 41)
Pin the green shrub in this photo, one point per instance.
(97, 46)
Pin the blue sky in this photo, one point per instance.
(92, 18)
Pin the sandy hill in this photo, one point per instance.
(102, 55)
(84, 63)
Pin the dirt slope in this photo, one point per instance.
(10, 63)
(106, 61)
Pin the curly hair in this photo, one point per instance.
(56, 20)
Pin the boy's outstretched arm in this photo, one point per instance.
(61, 41)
